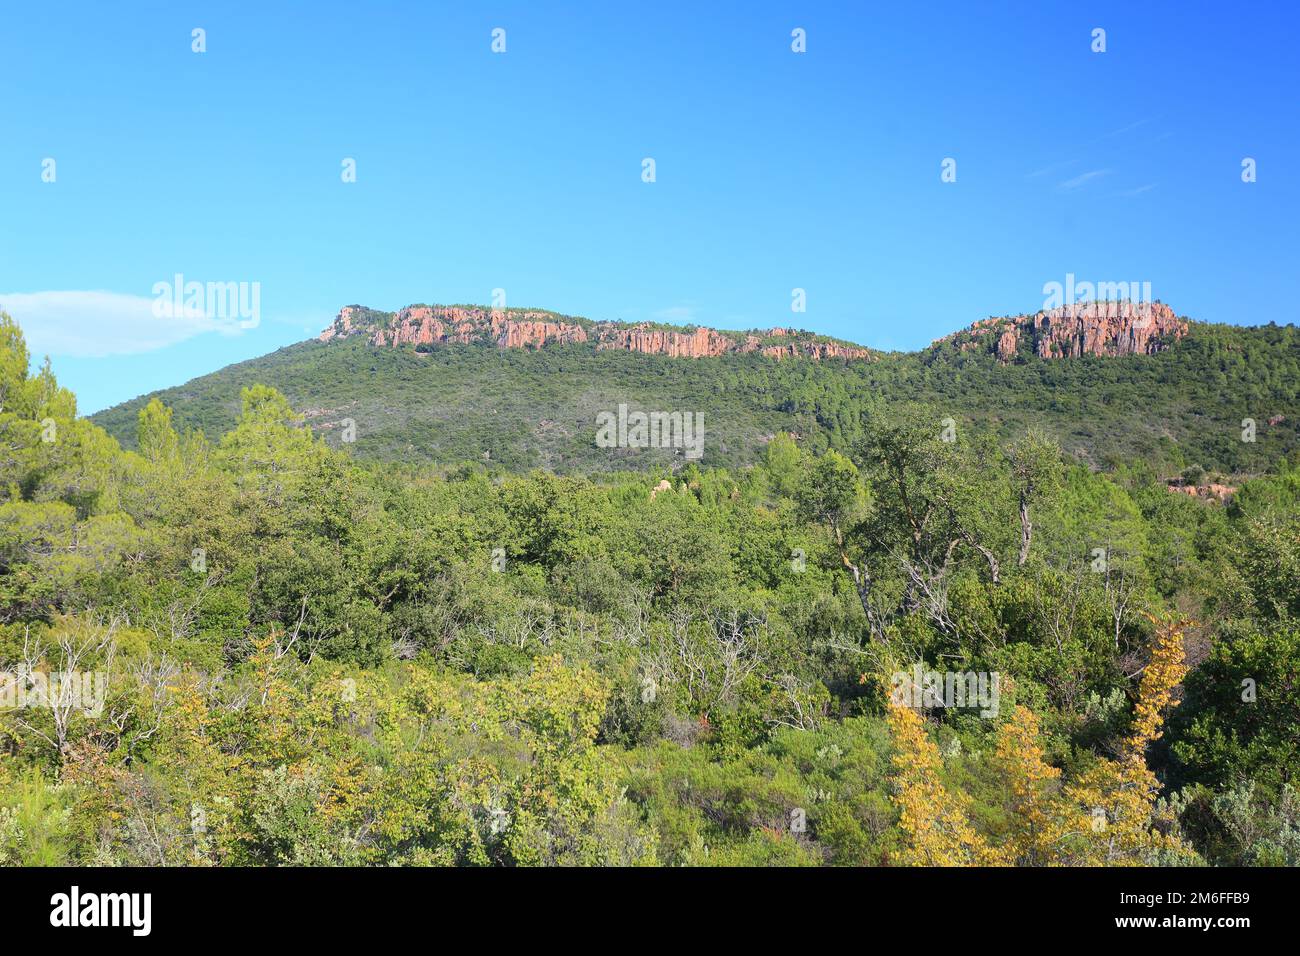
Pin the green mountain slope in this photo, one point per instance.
(524, 408)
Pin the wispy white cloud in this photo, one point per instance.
(95, 324)
(1082, 178)
(1051, 168)
(1122, 130)
(1127, 128)
(1138, 191)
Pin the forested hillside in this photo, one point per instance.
(523, 408)
(313, 653)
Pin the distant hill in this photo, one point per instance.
(523, 388)
(432, 325)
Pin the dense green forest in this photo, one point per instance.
(1178, 409)
(314, 654)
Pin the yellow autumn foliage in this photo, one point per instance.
(1104, 817)
(934, 820)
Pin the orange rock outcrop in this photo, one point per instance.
(1088, 328)
(1213, 490)
(433, 325)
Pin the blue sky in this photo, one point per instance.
(522, 170)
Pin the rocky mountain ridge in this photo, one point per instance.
(1105, 329)
(530, 406)
(428, 325)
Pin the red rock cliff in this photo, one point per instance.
(433, 325)
(640, 338)
(1089, 328)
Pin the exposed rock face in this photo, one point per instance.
(1088, 328)
(342, 324)
(702, 342)
(1213, 490)
(695, 344)
(817, 350)
(433, 325)
(536, 334)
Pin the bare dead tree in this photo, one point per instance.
(632, 625)
(1058, 617)
(178, 619)
(79, 642)
(927, 591)
(1121, 592)
(711, 662)
(680, 658)
(800, 713)
(520, 630)
(152, 678)
(739, 642)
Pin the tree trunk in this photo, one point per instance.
(862, 584)
(995, 569)
(1026, 531)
